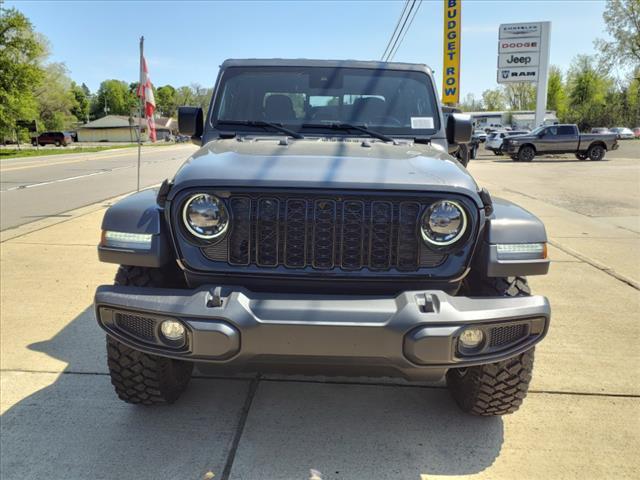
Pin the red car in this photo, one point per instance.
(52, 138)
(636, 132)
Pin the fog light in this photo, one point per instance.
(471, 338)
(172, 330)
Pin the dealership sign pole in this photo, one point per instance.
(523, 56)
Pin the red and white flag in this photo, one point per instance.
(145, 92)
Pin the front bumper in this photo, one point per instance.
(414, 334)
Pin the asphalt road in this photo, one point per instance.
(36, 188)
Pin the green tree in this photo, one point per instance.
(493, 99)
(520, 95)
(184, 97)
(471, 103)
(632, 114)
(166, 101)
(56, 99)
(22, 51)
(588, 91)
(82, 97)
(194, 95)
(116, 96)
(622, 18)
(556, 96)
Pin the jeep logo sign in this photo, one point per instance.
(520, 74)
(518, 59)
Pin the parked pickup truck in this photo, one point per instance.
(546, 140)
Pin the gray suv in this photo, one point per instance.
(322, 228)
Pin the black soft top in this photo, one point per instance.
(303, 62)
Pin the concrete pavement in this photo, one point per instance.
(60, 418)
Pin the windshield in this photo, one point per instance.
(396, 102)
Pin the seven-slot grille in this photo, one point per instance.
(325, 232)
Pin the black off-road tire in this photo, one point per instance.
(474, 152)
(145, 379)
(596, 152)
(495, 388)
(526, 153)
(463, 154)
(138, 377)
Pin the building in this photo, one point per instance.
(516, 119)
(120, 128)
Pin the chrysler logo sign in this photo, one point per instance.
(516, 30)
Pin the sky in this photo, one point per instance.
(185, 42)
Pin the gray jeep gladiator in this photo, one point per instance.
(323, 229)
(555, 139)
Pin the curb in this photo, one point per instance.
(22, 230)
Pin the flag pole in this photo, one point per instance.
(140, 112)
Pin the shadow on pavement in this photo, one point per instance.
(362, 432)
(74, 426)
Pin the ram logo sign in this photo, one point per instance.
(519, 74)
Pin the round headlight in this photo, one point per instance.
(205, 216)
(443, 223)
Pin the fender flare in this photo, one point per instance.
(137, 213)
(510, 224)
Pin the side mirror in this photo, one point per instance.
(459, 128)
(190, 122)
(541, 134)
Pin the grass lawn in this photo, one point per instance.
(12, 152)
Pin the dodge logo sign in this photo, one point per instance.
(505, 74)
(524, 45)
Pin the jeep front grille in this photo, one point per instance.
(325, 232)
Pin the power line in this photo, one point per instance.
(393, 53)
(395, 30)
(401, 31)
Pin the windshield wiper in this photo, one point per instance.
(349, 126)
(262, 124)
